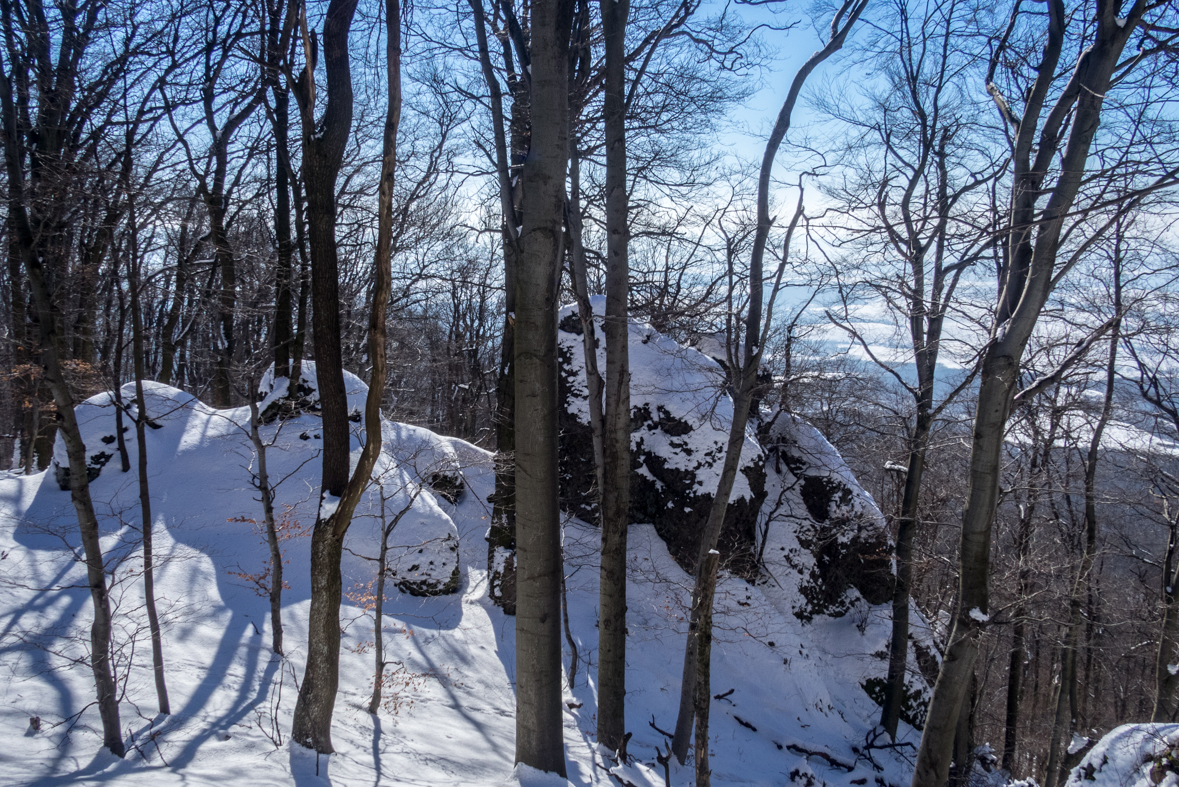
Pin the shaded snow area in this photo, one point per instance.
(795, 652)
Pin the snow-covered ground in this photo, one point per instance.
(792, 706)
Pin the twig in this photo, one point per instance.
(661, 732)
(744, 723)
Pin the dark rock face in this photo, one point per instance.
(94, 465)
(448, 486)
(676, 455)
(846, 555)
(286, 408)
(667, 497)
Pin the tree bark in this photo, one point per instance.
(323, 150)
(615, 493)
(538, 518)
(1017, 660)
(1166, 709)
(301, 313)
(898, 651)
(374, 703)
(997, 386)
(282, 336)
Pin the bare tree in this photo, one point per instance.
(1057, 120)
(324, 141)
(323, 147)
(695, 691)
(51, 108)
(913, 198)
(228, 28)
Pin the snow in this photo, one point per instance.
(1077, 743)
(796, 689)
(272, 389)
(978, 615)
(1133, 755)
(328, 505)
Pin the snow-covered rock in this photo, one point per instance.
(841, 548)
(1133, 755)
(98, 423)
(185, 432)
(794, 707)
(276, 402)
(680, 419)
(825, 558)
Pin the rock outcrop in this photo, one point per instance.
(680, 419)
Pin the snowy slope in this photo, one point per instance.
(793, 708)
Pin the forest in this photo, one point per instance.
(636, 392)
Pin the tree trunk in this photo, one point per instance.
(282, 336)
(141, 419)
(323, 150)
(324, 147)
(117, 383)
(267, 493)
(538, 518)
(1062, 700)
(168, 338)
(594, 384)
(312, 726)
(1017, 661)
(222, 388)
(301, 313)
(964, 741)
(615, 493)
(51, 341)
(1166, 709)
(898, 652)
(1033, 239)
(374, 703)
(501, 535)
(997, 386)
(694, 688)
